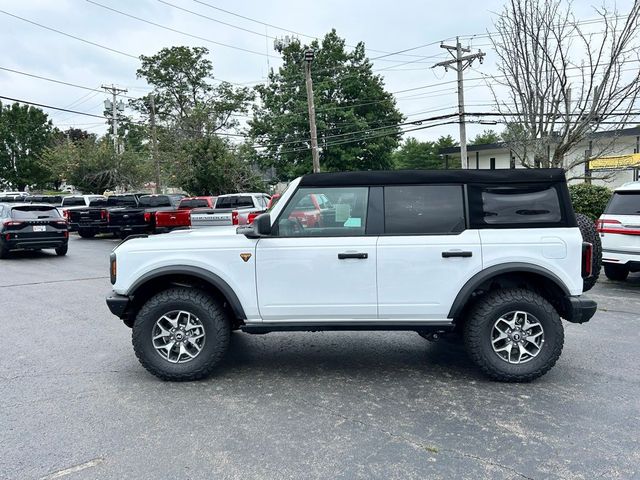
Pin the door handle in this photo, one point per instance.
(360, 256)
(456, 254)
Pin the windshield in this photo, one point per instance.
(122, 201)
(72, 202)
(34, 212)
(160, 201)
(189, 203)
(624, 203)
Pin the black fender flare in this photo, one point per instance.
(200, 273)
(488, 273)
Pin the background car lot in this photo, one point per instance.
(299, 405)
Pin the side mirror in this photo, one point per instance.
(261, 227)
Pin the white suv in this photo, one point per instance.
(619, 228)
(495, 256)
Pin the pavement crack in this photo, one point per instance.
(48, 282)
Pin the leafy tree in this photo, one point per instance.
(591, 200)
(190, 113)
(25, 133)
(357, 120)
(414, 154)
(92, 166)
(214, 167)
(486, 137)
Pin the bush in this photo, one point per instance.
(590, 200)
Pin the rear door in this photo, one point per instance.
(427, 252)
(320, 272)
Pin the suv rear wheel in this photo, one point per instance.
(514, 335)
(181, 334)
(616, 272)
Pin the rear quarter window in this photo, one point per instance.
(517, 206)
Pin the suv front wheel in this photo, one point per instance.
(181, 334)
(514, 335)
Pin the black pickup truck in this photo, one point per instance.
(142, 217)
(95, 219)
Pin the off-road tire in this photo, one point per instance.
(479, 325)
(62, 250)
(616, 272)
(591, 235)
(87, 233)
(214, 320)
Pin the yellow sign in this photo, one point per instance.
(622, 161)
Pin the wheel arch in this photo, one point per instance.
(507, 275)
(187, 276)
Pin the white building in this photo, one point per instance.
(614, 157)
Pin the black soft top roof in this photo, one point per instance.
(414, 177)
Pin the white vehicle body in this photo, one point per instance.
(619, 228)
(230, 209)
(405, 279)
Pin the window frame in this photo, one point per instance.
(465, 210)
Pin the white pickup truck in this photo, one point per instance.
(231, 209)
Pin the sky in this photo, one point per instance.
(384, 26)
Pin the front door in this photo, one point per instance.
(319, 264)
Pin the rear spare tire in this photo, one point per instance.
(514, 335)
(181, 334)
(591, 235)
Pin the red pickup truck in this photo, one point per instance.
(181, 217)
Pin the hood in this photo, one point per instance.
(201, 239)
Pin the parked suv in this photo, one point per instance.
(32, 227)
(495, 255)
(619, 228)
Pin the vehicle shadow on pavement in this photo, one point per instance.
(354, 354)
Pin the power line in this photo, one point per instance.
(70, 36)
(53, 80)
(313, 37)
(175, 30)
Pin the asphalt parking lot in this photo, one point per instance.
(75, 403)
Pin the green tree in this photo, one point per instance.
(414, 154)
(92, 166)
(357, 120)
(25, 133)
(215, 167)
(486, 137)
(191, 114)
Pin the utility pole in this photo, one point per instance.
(308, 58)
(154, 140)
(459, 63)
(115, 107)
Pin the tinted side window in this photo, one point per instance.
(424, 209)
(517, 205)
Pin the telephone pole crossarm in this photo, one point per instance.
(459, 63)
